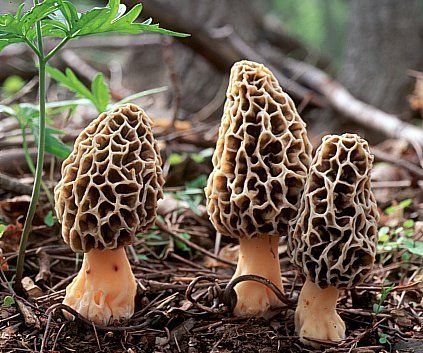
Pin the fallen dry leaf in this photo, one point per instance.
(31, 288)
(228, 252)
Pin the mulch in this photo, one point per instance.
(166, 321)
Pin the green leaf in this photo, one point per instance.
(2, 229)
(181, 245)
(409, 223)
(37, 13)
(8, 301)
(54, 28)
(198, 183)
(101, 92)
(112, 18)
(49, 219)
(383, 339)
(383, 234)
(7, 110)
(409, 232)
(56, 147)
(414, 247)
(99, 95)
(176, 158)
(390, 210)
(70, 81)
(385, 292)
(406, 256)
(405, 203)
(193, 191)
(398, 230)
(143, 257)
(12, 85)
(377, 309)
(68, 104)
(17, 28)
(198, 158)
(53, 145)
(10, 29)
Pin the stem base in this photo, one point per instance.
(104, 288)
(257, 256)
(316, 316)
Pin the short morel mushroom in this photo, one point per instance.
(333, 240)
(108, 192)
(260, 167)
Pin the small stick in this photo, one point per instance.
(30, 319)
(399, 162)
(15, 185)
(174, 78)
(44, 265)
(164, 228)
(44, 340)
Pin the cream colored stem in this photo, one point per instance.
(104, 288)
(257, 256)
(316, 316)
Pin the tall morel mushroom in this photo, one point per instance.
(260, 166)
(333, 240)
(108, 192)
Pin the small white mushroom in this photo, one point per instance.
(108, 192)
(333, 239)
(260, 166)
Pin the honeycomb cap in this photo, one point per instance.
(261, 158)
(333, 239)
(111, 181)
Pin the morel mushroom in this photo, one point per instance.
(260, 167)
(333, 240)
(108, 192)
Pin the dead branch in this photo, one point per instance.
(402, 163)
(13, 159)
(82, 68)
(215, 48)
(222, 53)
(273, 32)
(354, 109)
(175, 81)
(16, 59)
(14, 185)
(109, 42)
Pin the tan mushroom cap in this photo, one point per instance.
(333, 240)
(261, 158)
(111, 181)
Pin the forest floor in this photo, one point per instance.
(166, 321)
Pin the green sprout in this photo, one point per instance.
(60, 19)
(378, 308)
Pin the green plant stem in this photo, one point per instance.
(40, 160)
(31, 167)
(56, 49)
(33, 47)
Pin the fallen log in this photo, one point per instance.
(215, 47)
(344, 102)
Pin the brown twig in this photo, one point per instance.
(399, 162)
(192, 245)
(169, 61)
(44, 266)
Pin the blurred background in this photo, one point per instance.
(373, 49)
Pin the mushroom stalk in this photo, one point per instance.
(257, 256)
(316, 316)
(104, 288)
